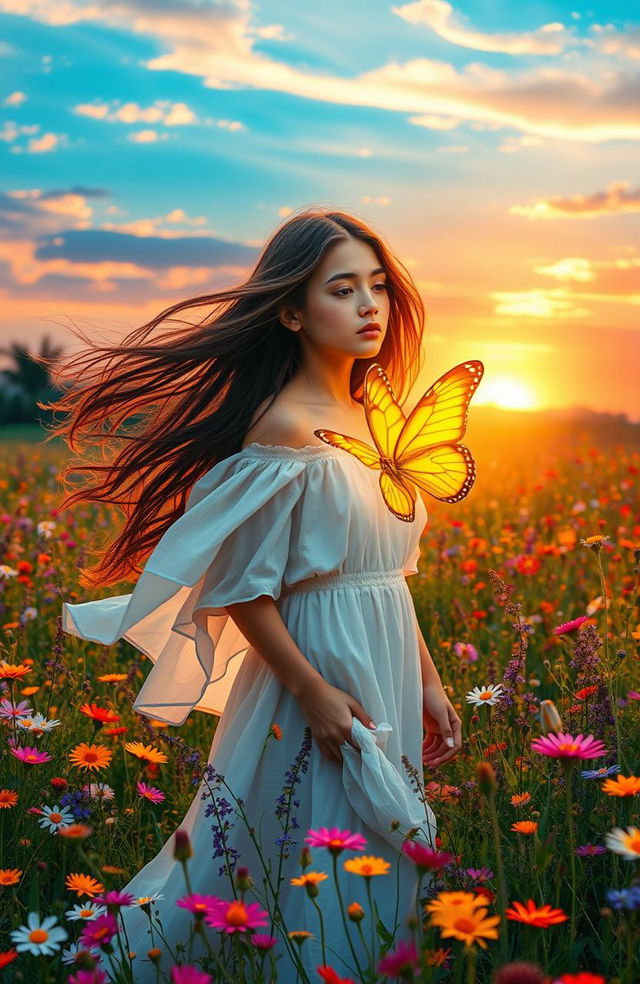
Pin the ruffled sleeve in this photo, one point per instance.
(230, 545)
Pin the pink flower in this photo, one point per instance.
(424, 858)
(565, 746)
(570, 626)
(189, 975)
(633, 695)
(30, 756)
(95, 976)
(199, 904)
(150, 792)
(587, 850)
(263, 941)
(402, 961)
(99, 930)
(235, 916)
(335, 839)
(115, 898)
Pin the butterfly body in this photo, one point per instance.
(422, 449)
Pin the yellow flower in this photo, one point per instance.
(84, 885)
(299, 935)
(13, 671)
(146, 752)
(469, 926)
(622, 786)
(524, 826)
(521, 799)
(367, 865)
(90, 756)
(447, 902)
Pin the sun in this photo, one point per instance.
(508, 393)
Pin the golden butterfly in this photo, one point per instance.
(421, 449)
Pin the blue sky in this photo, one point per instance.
(149, 149)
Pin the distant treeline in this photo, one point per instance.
(25, 382)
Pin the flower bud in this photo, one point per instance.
(244, 881)
(486, 777)
(549, 718)
(355, 912)
(182, 849)
(305, 858)
(154, 954)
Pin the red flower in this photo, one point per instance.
(329, 975)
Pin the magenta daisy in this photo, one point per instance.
(115, 899)
(150, 792)
(236, 916)
(401, 962)
(263, 941)
(335, 839)
(570, 626)
(98, 931)
(588, 850)
(565, 746)
(424, 858)
(198, 904)
(30, 756)
(185, 974)
(633, 695)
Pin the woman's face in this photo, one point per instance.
(347, 291)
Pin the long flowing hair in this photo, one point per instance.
(162, 411)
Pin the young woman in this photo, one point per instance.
(274, 587)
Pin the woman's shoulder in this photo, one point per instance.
(284, 424)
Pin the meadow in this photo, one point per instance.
(527, 596)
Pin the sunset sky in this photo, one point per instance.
(149, 149)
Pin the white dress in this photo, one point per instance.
(309, 527)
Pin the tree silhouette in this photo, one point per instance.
(27, 381)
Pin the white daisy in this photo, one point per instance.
(485, 695)
(70, 953)
(99, 790)
(6, 571)
(39, 938)
(37, 724)
(148, 899)
(45, 529)
(626, 843)
(88, 911)
(56, 816)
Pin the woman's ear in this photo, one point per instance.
(289, 318)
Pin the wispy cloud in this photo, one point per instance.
(618, 197)
(440, 17)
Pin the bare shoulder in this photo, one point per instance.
(282, 424)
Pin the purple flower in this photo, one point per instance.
(480, 874)
(599, 773)
(587, 850)
(115, 898)
(626, 898)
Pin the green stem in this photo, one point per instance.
(502, 888)
(334, 858)
(568, 776)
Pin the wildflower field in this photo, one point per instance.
(528, 599)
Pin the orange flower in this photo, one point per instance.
(367, 865)
(84, 885)
(8, 798)
(29, 691)
(621, 786)
(7, 957)
(101, 714)
(277, 732)
(309, 878)
(10, 876)
(13, 671)
(520, 799)
(146, 752)
(90, 756)
(470, 926)
(543, 917)
(75, 831)
(112, 677)
(524, 826)
(112, 869)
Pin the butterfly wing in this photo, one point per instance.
(385, 418)
(399, 496)
(427, 449)
(363, 452)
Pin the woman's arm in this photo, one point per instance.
(328, 710)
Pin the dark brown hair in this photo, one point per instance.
(193, 390)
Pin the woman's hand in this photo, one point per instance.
(440, 723)
(329, 712)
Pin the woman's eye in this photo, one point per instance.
(340, 293)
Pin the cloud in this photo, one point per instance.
(618, 198)
(14, 99)
(550, 39)
(589, 103)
